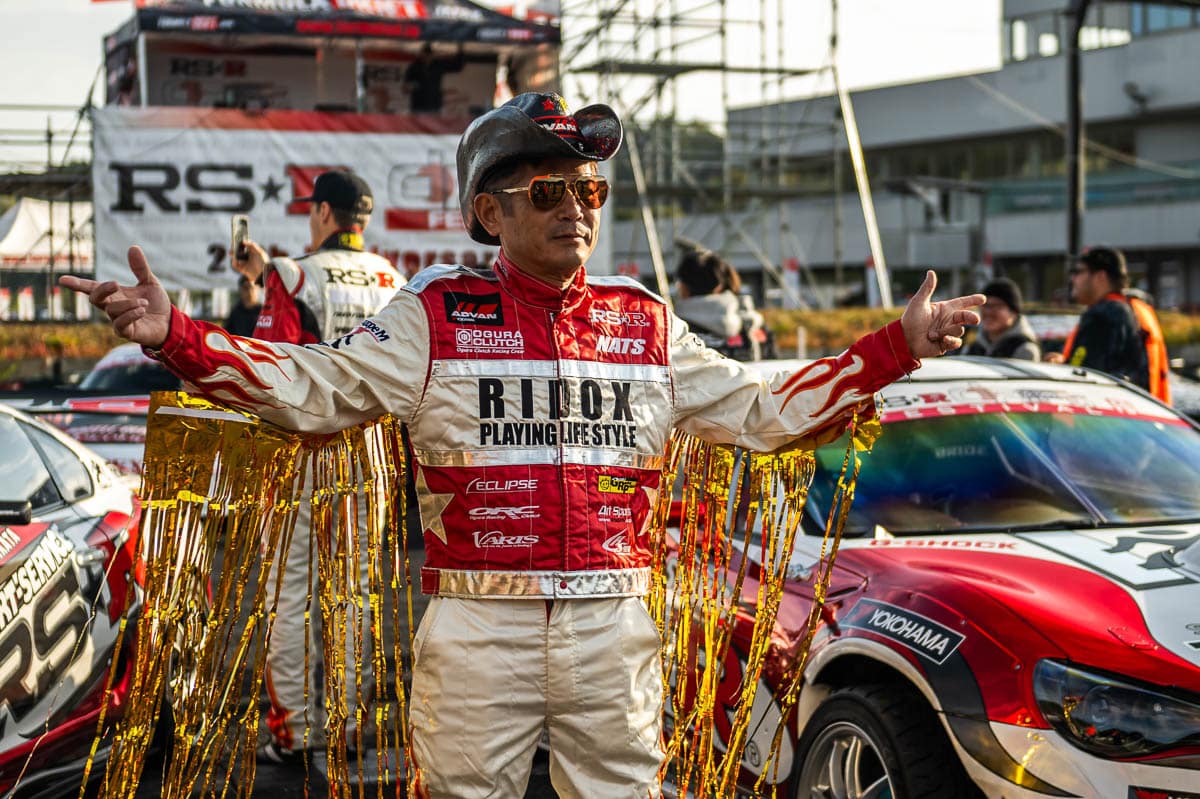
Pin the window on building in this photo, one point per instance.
(1161, 18)
(1019, 38)
(990, 161)
(952, 162)
(1106, 25)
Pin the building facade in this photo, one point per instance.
(968, 172)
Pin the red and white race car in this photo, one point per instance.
(107, 411)
(68, 540)
(1015, 608)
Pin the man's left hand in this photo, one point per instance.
(935, 328)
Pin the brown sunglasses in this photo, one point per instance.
(547, 191)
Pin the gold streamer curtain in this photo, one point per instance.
(221, 490)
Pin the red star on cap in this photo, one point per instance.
(547, 105)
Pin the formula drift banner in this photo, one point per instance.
(169, 179)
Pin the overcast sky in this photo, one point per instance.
(53, 48)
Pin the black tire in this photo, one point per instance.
(901, 745)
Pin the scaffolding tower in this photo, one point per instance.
(673, 69)
(637, 55)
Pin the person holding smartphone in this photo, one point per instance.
(321, 296)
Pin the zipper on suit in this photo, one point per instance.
(562, 482)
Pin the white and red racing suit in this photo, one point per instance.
(321, 295)
(538, 418)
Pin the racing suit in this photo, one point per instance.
(321, 295)
(538, 417)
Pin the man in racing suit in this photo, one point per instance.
(322, 295)
(539, 402)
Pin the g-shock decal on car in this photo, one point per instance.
(922, 635)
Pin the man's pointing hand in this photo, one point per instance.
(140, 313)
(934, 328)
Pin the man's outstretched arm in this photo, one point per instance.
(727, 402)
(379, 368)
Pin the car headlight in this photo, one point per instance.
(1113, 716)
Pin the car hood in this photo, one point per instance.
(1126, 599)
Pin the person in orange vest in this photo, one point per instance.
(1118, 333)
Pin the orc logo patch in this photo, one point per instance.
(922, 635)
(473, 309)
(610, 484)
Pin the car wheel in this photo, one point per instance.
(879, 741)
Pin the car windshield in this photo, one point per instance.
(132, 378)
(997, 471)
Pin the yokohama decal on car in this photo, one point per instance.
(922, 635)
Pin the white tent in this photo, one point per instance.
(26, 244)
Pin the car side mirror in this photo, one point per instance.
(18, 513)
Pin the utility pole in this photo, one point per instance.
(50, 217)
(838, 276)
(1076, 196)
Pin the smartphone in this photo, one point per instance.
(239, 231)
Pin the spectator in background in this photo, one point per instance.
(709, 302)
(1117, 333)
(244, 316)
(321, 296)
(423, 80)
(1003, 331)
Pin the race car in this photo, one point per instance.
(1014, 611)
(68, 581)
(107, 411)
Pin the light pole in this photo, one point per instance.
(1074, 144)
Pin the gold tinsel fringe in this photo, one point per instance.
(219, 483)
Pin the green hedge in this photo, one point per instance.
(26, 340)
(833, 331)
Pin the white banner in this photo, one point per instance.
(168, 179)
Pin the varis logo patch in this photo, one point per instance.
(473, 309)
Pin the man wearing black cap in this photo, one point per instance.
(1108, 337)
(539, 403)
(318, 297)
(1003, 331)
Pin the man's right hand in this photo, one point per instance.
(140, 313)
(255, 262)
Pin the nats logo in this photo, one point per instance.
(474, 309)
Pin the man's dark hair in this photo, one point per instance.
(1110, 261)
(703, 272)
(347, 219)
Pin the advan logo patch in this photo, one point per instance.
(473, 309)
(922, 635)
